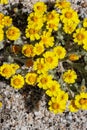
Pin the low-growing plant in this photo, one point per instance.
(46, 48)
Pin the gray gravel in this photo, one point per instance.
(23, 111)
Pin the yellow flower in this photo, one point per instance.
(7, 21)
(74, 57)
(53, 16)
(13, 33)
(40, 66)
(60, 52)
(35, 20)
(51, 59)
(72, 106)
(6, 70)
(62, 4)
(17, 81)
(83, 88)
(27, 50)
(85, 22)
(40, 8)
(15, 66)
(29, 62)
(1, 34)
(38, 49)
(1, 104)
(52, 21)
(52, 26)
(53, 88)
(1, 20)
(69, 76)
(47, 39)
(80, 36)
(85, 46)
(3, 1)
(15, 49)
(31, 78)
(56, 106)
(69, 15)
(63, 96)
(32, 33)
(81, 101)
(44, 80)
(69, 27)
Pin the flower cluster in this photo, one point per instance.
(48, 53)
(3, 2)
(11, 32)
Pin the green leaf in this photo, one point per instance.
(1, 45)
(18, 42)
(86, 67)
(10, 59)
(85, 58)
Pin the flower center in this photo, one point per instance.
(28, 51)
(39, 7)
(44, 80)
(40, 66)
(32, 79)
(17, 81)
(16, 48)
(29, 63)
(83, 101)
(51, 25)
(69, 76)
(44, 39)
(83, 88)
(52, 88)
(39, 48)
(6, 70)
(62, 3)
(59, 52)
(49, 59)
(50, 16)
(55, 105)
(80, 36)
(73, 57)
(68, 15)
(11, 32)
(32, 31)
(34, 19)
